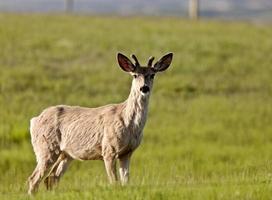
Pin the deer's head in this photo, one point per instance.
(143, 76)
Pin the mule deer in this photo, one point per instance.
(63, 133)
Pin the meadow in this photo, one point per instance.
(208, 134)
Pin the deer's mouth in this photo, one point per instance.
(145, 89)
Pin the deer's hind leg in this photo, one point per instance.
(57, 170)
(46, 155)
(37, 175)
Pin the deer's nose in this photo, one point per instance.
(144, 89)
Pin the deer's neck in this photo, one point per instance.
(135, 110)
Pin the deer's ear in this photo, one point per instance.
(163, 63)
(125, 63)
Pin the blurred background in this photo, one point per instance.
(208, 133)
(224, 9)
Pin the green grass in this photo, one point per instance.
(208, 134)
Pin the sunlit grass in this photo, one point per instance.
(208, 134)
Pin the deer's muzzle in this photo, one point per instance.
(145, 89)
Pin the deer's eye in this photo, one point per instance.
(152, 76)
(135, 75)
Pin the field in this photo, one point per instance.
(209, 132)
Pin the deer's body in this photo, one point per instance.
(85, 133)
(63, 133)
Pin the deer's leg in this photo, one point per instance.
(49, 180)
(57, 170)
(110, 164)
(124, 168)
(36, 177)
(62, 167)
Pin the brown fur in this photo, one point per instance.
(63, 133)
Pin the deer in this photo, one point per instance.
(109, 133)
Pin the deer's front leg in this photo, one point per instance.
(124, 168)
(110, 164)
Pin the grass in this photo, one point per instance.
(208, 134)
